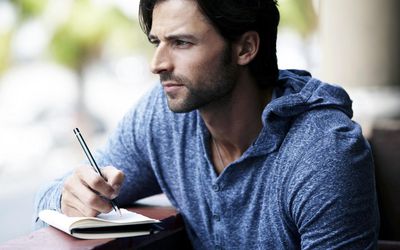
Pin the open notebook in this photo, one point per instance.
(110, 225)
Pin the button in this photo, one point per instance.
(217, 217)
(215, 187)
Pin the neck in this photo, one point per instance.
(235, 121)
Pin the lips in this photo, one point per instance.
(171, 87)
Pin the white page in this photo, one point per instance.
(65, 223)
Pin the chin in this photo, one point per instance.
(179, 107)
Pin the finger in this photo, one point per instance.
(95, 182)
(72, 211)
(115, 178)
(66, 195)
(85, 197)
(92, 200)
(95, 201)
(72, 206)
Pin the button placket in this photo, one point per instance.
(217, 189)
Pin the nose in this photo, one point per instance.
(161, 61)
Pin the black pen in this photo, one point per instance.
(93, 163)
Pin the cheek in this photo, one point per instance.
(198, 65)
(190, 66)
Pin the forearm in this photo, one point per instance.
(48, 197)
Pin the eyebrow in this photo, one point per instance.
(175, 37)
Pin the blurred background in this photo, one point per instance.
(84, 63)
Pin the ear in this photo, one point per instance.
(246, 47)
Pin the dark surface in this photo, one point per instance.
(385, 142)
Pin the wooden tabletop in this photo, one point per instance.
(51, 238)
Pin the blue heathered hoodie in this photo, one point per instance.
(307, 181)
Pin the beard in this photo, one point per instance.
(214, 85)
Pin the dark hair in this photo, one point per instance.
(232, 18)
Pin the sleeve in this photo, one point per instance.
(332, 200)
(127, 150)
(48, 197)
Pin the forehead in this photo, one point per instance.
(178, 16)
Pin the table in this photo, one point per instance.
(172, 238)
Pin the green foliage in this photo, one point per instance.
(29, 8)
(87, 30)
(5, 42)
(298, 15)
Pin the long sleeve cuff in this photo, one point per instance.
(48, 197)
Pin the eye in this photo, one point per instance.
(155, 42)
(182, 43)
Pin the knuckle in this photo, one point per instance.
(96, 182)
(67, 184)
(80, 171)
(92, 200)
(109, 192)
(66, 187)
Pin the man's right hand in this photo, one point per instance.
(84, 192)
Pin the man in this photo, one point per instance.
(252, 157)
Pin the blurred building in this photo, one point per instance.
(360, 50)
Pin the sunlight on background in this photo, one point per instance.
(84, 63)
(63, 64)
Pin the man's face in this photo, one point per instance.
(193, 61)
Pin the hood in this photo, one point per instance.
(297, 93)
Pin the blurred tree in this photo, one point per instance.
(8, 20)
(86, 32)
(5, 43)
(82, 37)
(90, 27)
(29, 8)
(299, 15)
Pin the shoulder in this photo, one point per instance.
(328, 179)
(324, 129)
(327, 141)
(325, 153)
(330, 162)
